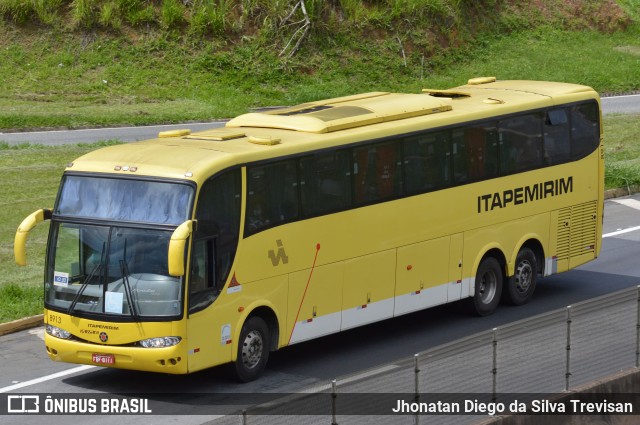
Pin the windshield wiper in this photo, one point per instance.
(124, 271)
(86, 281)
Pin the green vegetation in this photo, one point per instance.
(20, 301)
(622, 151)
(81, 63)
(30, 177)
(112, 62)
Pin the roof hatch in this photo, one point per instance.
(217, 134)
(344, 112)
(481, 80)
(449, 94)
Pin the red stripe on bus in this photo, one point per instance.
(313, 266)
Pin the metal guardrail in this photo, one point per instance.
(545, 354)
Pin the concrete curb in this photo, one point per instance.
(21, 324)
(618, 193)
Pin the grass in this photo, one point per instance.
(584, 57)
(31, 174)
(159, 82)
(622, 151)
(20, 301)
(89, 77)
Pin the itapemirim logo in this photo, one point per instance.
(280, 256)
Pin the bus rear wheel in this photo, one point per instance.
(523, 282)
(253, 350)
(488, 288)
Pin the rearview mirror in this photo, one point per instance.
(177, 245)
(20, 241)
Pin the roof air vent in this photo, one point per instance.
(481, 80)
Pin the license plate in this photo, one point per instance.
(103, 358)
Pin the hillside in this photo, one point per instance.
(427, 25)
(103, 62)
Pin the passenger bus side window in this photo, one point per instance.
(474, 150)
(325, 183)
(426, 162)
(557, 139)
(215, 237)
(585, 131)
(377, 172)
(272, 195)
(521, 143)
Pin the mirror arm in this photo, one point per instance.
(20, 241)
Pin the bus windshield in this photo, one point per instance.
(111, 270)
(108, 247)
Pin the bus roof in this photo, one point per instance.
(324, 124)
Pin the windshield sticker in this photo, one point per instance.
(61, 279)
(225, 337)
(113, 302)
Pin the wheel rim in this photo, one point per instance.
(524, 276)
(252, 348)
(488, 285)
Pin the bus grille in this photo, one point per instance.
(577, 230)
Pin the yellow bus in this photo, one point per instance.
(194, 250)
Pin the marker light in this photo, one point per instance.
(57, 332)
(166, 341)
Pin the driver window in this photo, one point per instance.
(202, 272)
(202, 289)
(216, 237)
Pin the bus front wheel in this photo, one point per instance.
(523, 282)
(253, 349)
(488, 288)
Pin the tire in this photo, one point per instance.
(253, 350)
(488, 288)
(523, 282)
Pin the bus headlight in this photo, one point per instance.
(165, 341)
(57, 332)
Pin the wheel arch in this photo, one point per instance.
(268, 314)
(495, 252)
(489, 280)
(533, 243)
(271, 319)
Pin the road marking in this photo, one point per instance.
(628, 202)
(46, 378)
(620, 232)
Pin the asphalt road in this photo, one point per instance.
(621, 104)
(610, 105)
(26, 368)
(124, 134)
